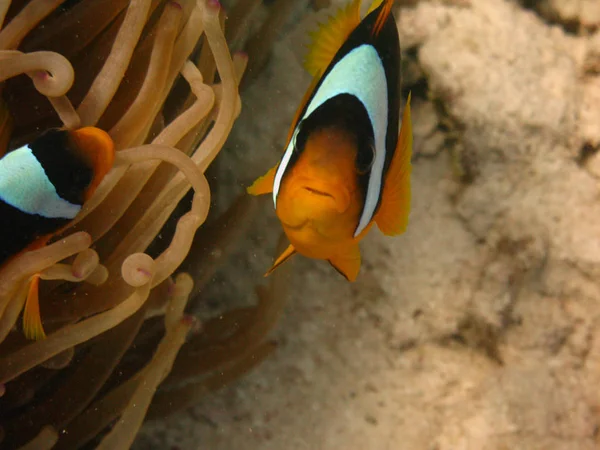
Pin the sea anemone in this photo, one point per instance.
(114, 315)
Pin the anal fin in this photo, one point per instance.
(347, 262)
(32, 321)
(392, 217)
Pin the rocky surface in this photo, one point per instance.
(572, 13)
(476, 329)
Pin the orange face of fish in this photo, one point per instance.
(319, 202)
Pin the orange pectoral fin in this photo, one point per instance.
(347, 263)
(264, 184)
(287, 254)
(392, 217)
(32, 321)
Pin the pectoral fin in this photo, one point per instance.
(392, 217)
(287, 254)
(347, 262)
(264, 184)
(32, 321)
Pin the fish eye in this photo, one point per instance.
(365, 159)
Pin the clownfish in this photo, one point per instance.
(345, 167)
(43, 186)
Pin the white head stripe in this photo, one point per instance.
(359, 73)
(283, 164)
(25, 185)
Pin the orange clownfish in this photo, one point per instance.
(43, 186)
(345, 167)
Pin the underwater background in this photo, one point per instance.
(475, 329)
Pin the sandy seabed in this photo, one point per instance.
(476, 329)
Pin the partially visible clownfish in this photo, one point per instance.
(43, 186)
(345, 167)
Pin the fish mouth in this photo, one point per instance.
(324, 195)
(317, 192)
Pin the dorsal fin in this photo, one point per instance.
(374, 5)
(330, 36)
(384, 13)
